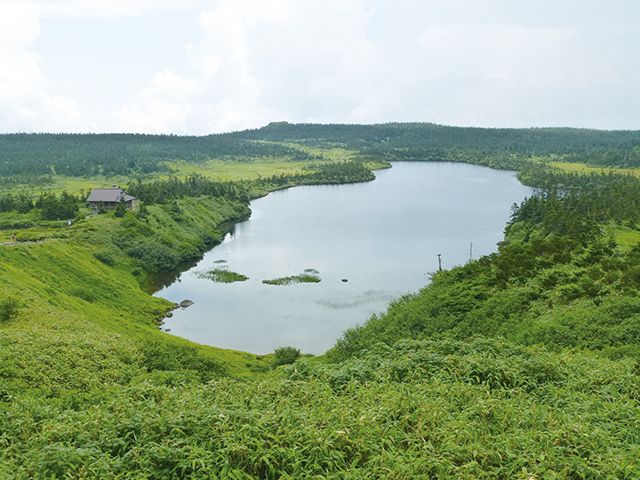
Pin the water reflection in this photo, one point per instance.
(381, 236)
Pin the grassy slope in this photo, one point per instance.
(440, 409)
(77, 399)
(65, 274)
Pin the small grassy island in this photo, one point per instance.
(524, 364)
(222, 275)
(310, 275)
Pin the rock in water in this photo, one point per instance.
(186, 303)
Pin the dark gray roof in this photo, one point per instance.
(108, 195)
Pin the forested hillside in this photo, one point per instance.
(523, 364)
(133, 154)
(499, 148)
(122, 154)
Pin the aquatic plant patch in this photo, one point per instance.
(222, 275)
(310, 275)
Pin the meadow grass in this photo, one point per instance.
(626, 238)
(584, 168)
(236, 171)
(429, 409)
(219, 169)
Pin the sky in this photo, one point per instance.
(196, 67)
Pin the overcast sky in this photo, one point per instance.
(210, 66)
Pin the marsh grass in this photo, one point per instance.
(310, 275)
(221, 275)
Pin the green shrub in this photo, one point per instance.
(31, 236)
(286, 355)
(84, 293)
(174, 358)
(154, 256)
(107, 255)
(9, 309)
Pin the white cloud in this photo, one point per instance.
(512, 56)
(276, 59)
(509, 75)
(25, 100)
(235, 64)
(221, 93)
(166, 106)
(112, 8)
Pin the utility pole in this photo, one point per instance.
(439, 263)
(471, 251)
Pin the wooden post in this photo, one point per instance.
(439, 263)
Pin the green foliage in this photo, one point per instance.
(422, 391)
(285, 355)
(55, 207)
(154, 256)
(21, 203)
(308, 276)
(17, 221)
(427, 141)
(195, 185)
(38, 155)
(63, 361)
(9, 308)
(85, 293)
(164, 237)
(108, 254)
(429, 409)
(121, 208)
(222, 275)
(575, 205)
(173, 358)
(542, 292)
(340, 172)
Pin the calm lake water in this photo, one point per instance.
(383, 237)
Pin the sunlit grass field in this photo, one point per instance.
(626, 238)
(214, 169)
(584, 168)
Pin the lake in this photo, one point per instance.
(369, 242)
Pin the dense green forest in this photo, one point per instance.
(123, 154)
(40, 155)
(523, 364)
(500, 148)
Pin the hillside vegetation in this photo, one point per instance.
(521, 364)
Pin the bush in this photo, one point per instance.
(9, 309)
(154, 256)
(286, 355)
(84, 293)
(180, 358)
(107, 255)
